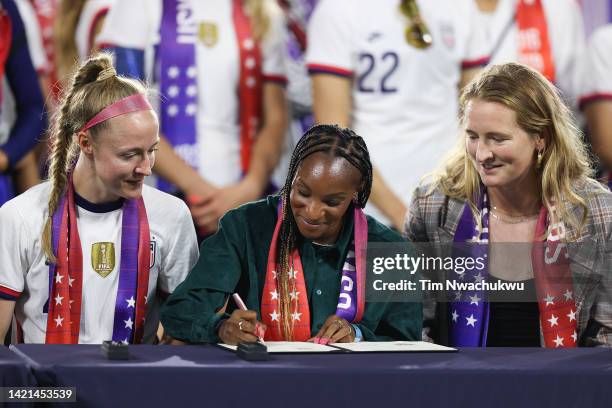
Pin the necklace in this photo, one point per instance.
(323, 245)
(511, 219)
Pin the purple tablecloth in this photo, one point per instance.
(209, 376)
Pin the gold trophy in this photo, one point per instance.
(417, 33)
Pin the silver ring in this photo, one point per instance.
(339, 323)
(240, 324)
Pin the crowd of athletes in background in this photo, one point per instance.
(390, 69)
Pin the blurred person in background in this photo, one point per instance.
(299, 88)
(220, 68)
(596, 97)
(392, 70)
(547, 35)
(26, 172)
(22, 117)
(77, 24)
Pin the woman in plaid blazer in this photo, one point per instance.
(521, 174)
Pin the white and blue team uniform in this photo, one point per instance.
(132, 31)
(405, 100)
(92, 12)
(24, 272)
(565, 33)
(596, 69)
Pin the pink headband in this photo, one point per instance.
(132, 103)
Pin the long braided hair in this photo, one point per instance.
(87, 95)
(339, 142)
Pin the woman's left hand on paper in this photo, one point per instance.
(335, 330)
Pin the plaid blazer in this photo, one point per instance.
(434, 217)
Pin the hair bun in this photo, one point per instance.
(106, 73)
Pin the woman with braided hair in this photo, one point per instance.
(109, 244)
(296, 259)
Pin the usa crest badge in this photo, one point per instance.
(447, 32)
(208, 34)
(103, 258)
(152, 248)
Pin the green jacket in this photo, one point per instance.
(235, 259)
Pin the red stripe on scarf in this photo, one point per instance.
(64, 316)
(144, 260)
(250, 84)
(361, 232)
(293, 25)
(45, 13)
(533, 41)
(60, 326)
(75, 268)
(554, 284)
(271, 312)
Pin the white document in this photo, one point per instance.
(290, 347)
(394, 346)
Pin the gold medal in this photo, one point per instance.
(103, 258)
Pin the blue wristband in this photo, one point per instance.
(358, 334)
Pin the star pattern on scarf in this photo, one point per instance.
(455, 315)
(294, 295)
(131, 302)
(181, 91)
(470, 321)
(274, 295)
(549, 300)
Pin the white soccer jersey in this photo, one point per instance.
(596, 81)
(92, 11)
(405, 100)
(136, 24)
(24, 274)
(565, 32)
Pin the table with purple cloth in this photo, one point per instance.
(210, 376)
(13, 371)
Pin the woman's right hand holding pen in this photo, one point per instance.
(242, 326)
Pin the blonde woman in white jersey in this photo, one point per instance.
(93, 252)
